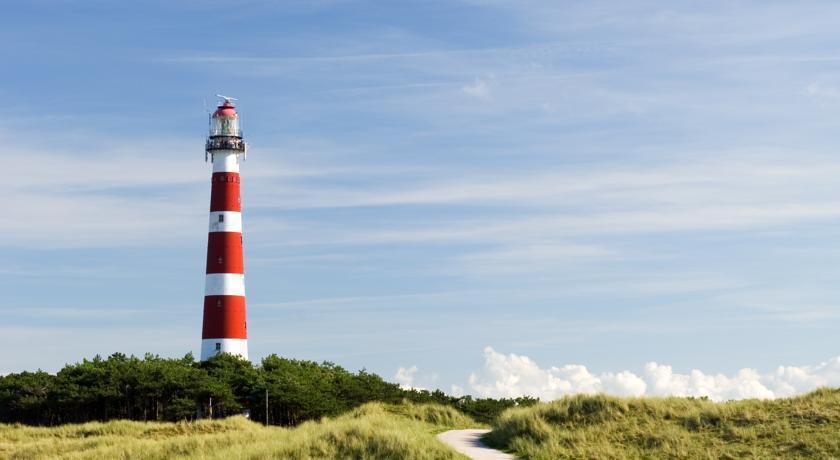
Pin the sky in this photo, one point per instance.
(489, 197)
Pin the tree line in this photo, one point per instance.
(278, 391)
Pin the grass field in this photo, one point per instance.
(607, 427)
(371, 431)
(574, 427)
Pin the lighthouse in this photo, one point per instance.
(225, 329)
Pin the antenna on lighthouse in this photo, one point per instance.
(227, 99)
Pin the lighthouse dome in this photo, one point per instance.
(225, 110)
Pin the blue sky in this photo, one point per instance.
(468, 193)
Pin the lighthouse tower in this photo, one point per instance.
(225, 329)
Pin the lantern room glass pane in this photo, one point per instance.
(224, 126)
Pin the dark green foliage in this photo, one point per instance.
(25, 397)
(155, 388)
(304, 390)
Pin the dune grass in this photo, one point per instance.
(374, 430)
(608, 427)
(574, 427)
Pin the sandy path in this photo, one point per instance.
(468, 443)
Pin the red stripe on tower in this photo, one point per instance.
(224, 195)
(224, 253)
(225, 327)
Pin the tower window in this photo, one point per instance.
(221, 217)
(218, 346)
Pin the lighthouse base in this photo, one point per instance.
(212, 347)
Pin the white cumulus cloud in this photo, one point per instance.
(512, 375)
(624, 383)
(456, 390)
(405, 376)
(790, 380)
(410, 379)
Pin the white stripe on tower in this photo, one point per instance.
(225, 327)
(225, 221)
(226, 161)
(224, 284)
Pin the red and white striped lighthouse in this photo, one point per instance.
(225, 329)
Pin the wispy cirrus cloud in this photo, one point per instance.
(479, 89)
(822, 91)
(722, 194)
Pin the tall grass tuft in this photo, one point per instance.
(608, 427)
(442, 417)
